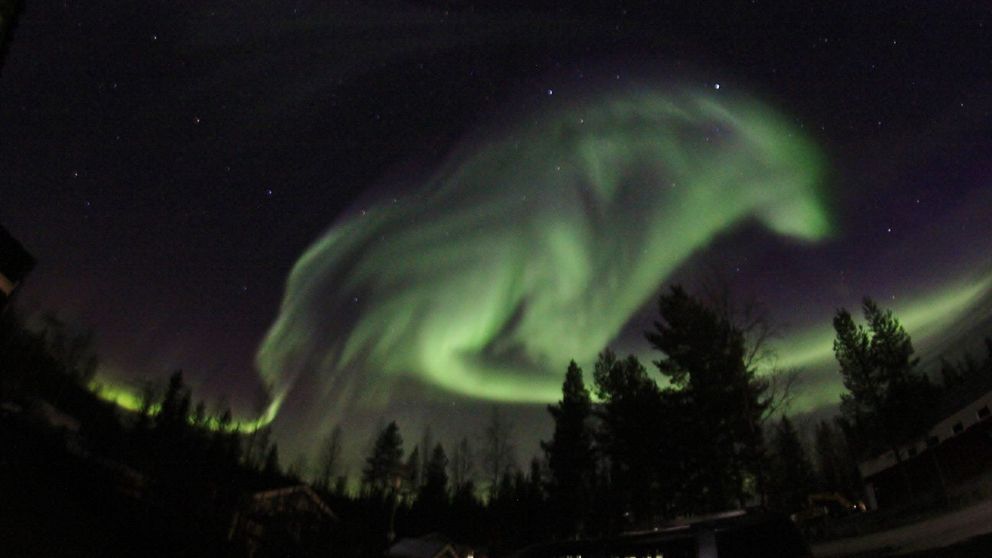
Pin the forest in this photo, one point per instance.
(626, 451)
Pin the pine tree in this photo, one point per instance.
(828, 466)
(887, 397)
(722, 401)
(792, 475)
(632, 418)
(382, 467)
(174, 410)
(570, 454)
(434, 490)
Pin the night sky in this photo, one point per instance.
(469, 194)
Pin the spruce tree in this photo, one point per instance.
(888, 398)
(722, 401)
(382, 467)
(434, 490)
(792, 475)
(631, 436)
(570, 454)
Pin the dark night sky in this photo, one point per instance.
(167, 163)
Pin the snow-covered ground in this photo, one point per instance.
(930, 533)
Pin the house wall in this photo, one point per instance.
(957, 459)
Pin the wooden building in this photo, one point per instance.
(955, 451)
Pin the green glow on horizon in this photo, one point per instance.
(534, 249)
(809, 349)
(925, 317)
(128, 400)
(120, 396)
(922, 317)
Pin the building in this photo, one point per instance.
(955, 451)
(434, 545)
(294, 515)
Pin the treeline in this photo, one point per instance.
(701, 432)
(625, 451)
(628, 451)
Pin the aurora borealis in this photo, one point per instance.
(539, 246)
(346, 214)
(534, 249)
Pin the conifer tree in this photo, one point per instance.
(888, 398)
(792, 475)
(722, 402)
(382, 467)
(570, 454)
(631, 436)
(434, 491)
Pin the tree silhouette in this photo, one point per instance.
(462, 465)
(792, 475)
(433, 494)
(382, 467)
(631, 437)
(836, 469)
(174, 410)
(330, 458)
(570, 454)
(413, 470)
(887, 399)
(498, 450)
(722, 401)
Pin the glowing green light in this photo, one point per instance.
(924, 317)
(929, 318)
(121, 396)
(538, 247)
(533, 249)
(129, 400)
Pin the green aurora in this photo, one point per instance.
(536, 248)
